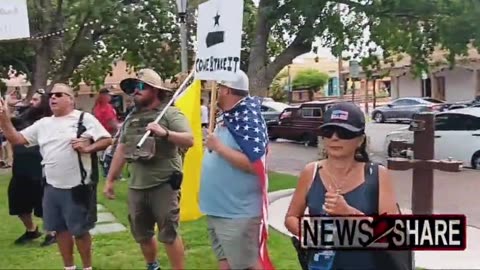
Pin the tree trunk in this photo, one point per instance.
(41, 68)
(262, 78)
(260, 74)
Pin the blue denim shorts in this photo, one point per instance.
(61, 213)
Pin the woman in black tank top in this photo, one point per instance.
(345, 183)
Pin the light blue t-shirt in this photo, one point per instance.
(226, 191)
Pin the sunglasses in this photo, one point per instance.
(140, 86)
(57, 95)
(342, 133)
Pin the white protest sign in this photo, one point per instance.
(219, 39)
(14, 19)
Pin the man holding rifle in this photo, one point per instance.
(156, 168)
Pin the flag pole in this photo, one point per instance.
(162, 113)
(213, 106)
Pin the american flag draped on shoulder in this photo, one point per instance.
(247, 126)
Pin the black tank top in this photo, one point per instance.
(365, 199)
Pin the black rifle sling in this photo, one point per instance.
(80, 131)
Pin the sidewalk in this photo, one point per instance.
(467, 259)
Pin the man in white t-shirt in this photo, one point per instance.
(60, 148)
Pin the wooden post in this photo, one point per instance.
(374, 92)
(423, 163)
(213, 107)
(422, 185)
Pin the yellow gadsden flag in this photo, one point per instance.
(189, 103)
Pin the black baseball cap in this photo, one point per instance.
(346, 115)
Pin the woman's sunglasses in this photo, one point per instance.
(342, 133)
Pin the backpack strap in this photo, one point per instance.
(80, 131)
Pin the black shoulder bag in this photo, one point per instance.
(390, 259)
(85, 194)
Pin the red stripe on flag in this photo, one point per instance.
(262, 174)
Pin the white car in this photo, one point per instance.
(457, 136)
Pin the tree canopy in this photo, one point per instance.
(311, 79)
(413, 27)
(88, 36)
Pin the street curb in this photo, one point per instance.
(276, 195)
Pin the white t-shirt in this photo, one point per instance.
(204, 111)
(54, 136)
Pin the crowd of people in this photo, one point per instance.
(63, 148)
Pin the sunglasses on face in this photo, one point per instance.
(140, 86)
(342, 133)
(57, 95)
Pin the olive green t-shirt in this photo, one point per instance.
(167, 158)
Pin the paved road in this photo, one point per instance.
(454, 192)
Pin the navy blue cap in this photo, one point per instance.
(345, 115)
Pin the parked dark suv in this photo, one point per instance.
(300, 123)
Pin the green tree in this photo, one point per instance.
(89, 35)
(277, 88)
(310, 79)
(413, 27)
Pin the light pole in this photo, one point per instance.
(182, 16)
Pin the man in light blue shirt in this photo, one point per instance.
(230, 192)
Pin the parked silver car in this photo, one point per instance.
(403, 109)
(272, 109)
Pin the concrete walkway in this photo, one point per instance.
(467, 259)
(106, 222)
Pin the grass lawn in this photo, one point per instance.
(119, 251)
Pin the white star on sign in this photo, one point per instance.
(237, 113)
(257, 130)
(245, 118)
(246, 127)
(246, 137)
(243, 103)
(230, 120)
(255, 113)
(257, 139)
(245, 112)
(237, 127)
(256, 150)
(255, 120)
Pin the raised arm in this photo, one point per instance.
(9, 131)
